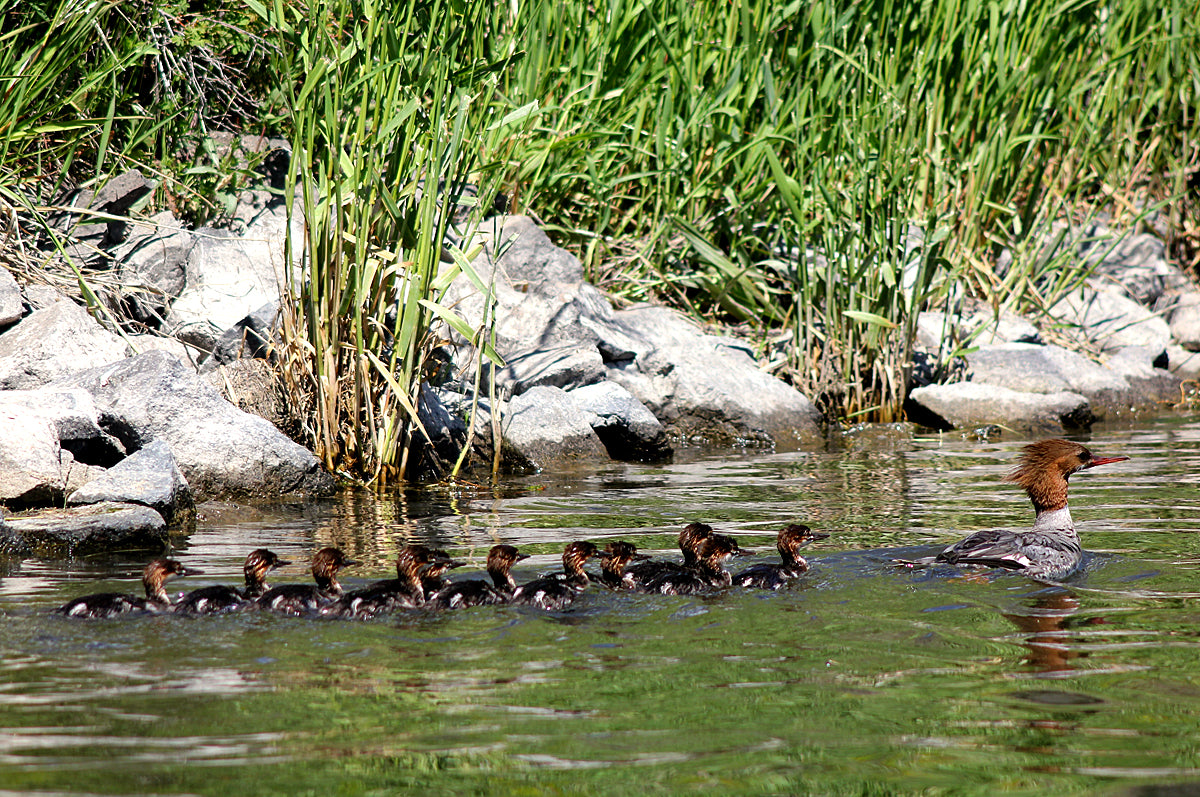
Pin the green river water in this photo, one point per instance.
(863, 678)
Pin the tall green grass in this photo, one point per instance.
(760, 162)
(380, 98)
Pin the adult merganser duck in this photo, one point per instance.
(110, 604)
(791, 539)
(461, 594)
(709, 573)
(557, 591)
(220, 598)
(1051, 551)
(298, 599)
(690, 540)
(405, 591)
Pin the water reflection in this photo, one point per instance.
(1044, 623)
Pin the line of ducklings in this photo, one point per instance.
(421, 579)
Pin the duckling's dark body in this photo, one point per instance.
(406, 591)
(557, 592)
(774, 576)
(298, 599)
(220, 598)
(463, 594)
(709, 573)
(111, 604)
(691, 539)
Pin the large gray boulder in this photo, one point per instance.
(52, 445)
(555, 330)
(965, 405)
(149, 477)
(83, 530)
(53, 342)
(1053, 369)
(1111, 319)
(220, 449)
(229, 276)
(628, 430)
(544, 426)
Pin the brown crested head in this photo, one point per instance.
(575, 554)
(411, 558)
(616, 555)
(691, 539)
(1044, 467)
(795, 536)
(717, 548)
(502, 557)
(159, 572)
(328, 561)
(259, 562)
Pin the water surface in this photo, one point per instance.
(862, 678)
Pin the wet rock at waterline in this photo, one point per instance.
(53, 443)
(963, 405)
(220, 449)
(149, 477)
(82, 530)
(545, 426)
(628, 430)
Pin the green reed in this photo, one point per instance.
(379, 103)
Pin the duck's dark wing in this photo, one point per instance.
(292, 599)
(379, 598)
(551, 593)
(462, 594)
(211, 600)
(992, 547)
(104, 604)
(763, 576)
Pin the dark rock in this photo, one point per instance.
(51, 343)
(78, 531)
(250, 337)
(627, 429)
(149, 477)
(220, 449)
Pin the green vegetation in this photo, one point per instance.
(816, 172)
